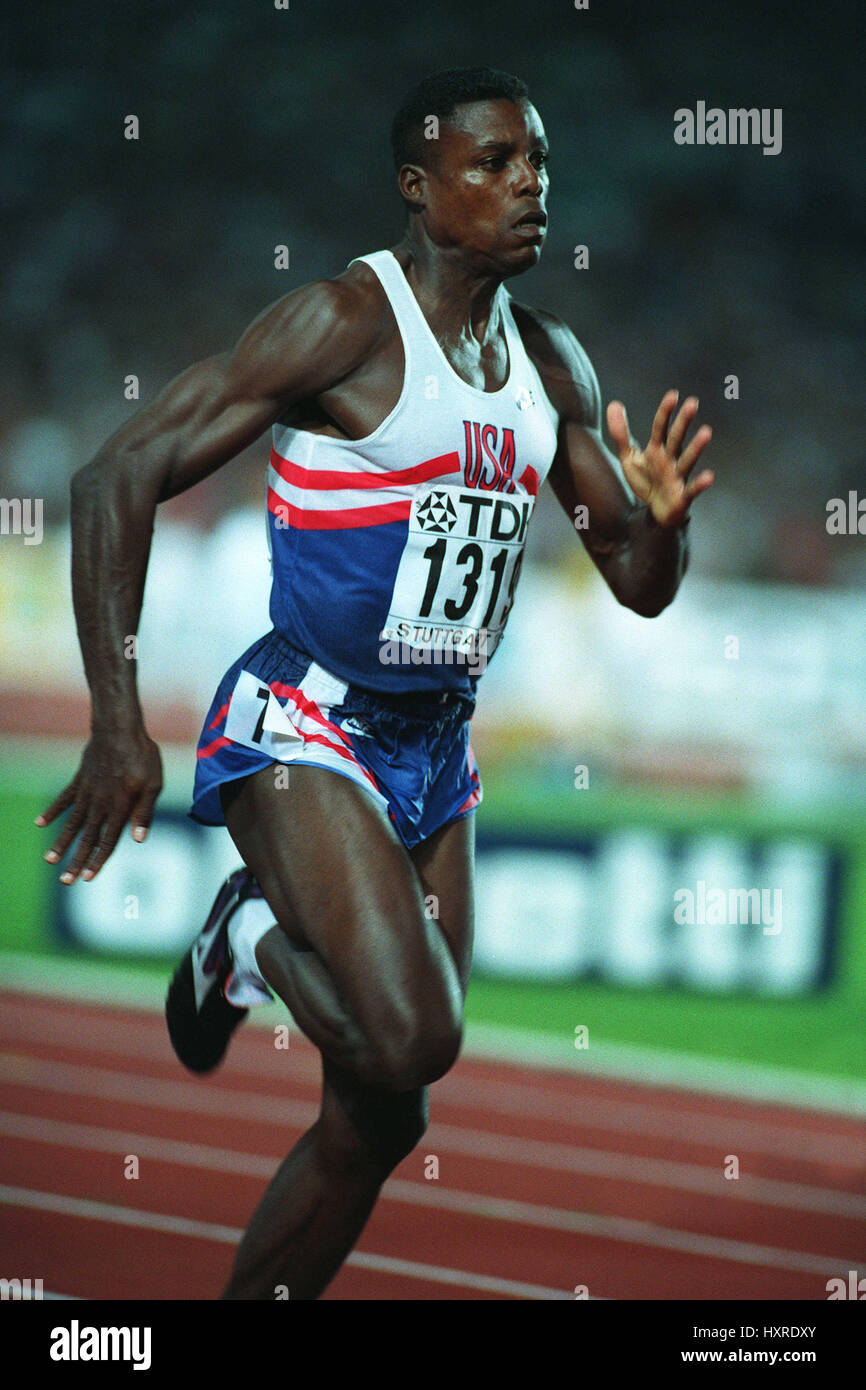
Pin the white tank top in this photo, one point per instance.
(396, 556)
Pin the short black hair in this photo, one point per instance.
(438, 95)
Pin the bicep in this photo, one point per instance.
(292, 352)
(216, 408)
(207, 418)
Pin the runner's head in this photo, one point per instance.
(470, 153)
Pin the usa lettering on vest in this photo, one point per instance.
(483, 467)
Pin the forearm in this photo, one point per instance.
(645, 569)
(113, 509)
(165, 449)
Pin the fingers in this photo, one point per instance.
(677, 434)
(700, 484)
(95, 846)
(143, 813)
(60, 803)
(102, 826)
(74, 822)
(115, 784)
(85, 847)
(89, 815)
(617, 424)
(691, 455)
(670, 437)
(662, 417)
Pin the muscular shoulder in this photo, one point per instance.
(316, 335)
(562, 364)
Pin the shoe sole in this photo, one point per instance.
(201, 1037)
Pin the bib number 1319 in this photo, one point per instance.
(472, 556)
(459, 568)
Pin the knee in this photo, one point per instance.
(417, 1054)
(384, 1128)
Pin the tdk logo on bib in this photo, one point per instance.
(436, 513)
(494, 519)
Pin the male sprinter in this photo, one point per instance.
(416, 411)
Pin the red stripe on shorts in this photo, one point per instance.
(211, 748)
(309, 708)
(220, 714)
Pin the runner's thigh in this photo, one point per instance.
(445, 863)
(339, 880)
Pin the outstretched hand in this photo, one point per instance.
(658, 475)
(118, 781)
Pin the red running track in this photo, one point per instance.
(550, 1184)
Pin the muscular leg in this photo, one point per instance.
(376, 985)
(444, 865)
(319, 1201)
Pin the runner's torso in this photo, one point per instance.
(392, 553)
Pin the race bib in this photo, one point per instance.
(458, 572)
(257, 720)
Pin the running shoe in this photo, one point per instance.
(200, 1018)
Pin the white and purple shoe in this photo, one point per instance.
(200, 1017)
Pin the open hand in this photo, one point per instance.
(658, 475)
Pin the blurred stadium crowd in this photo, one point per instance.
(261, 127)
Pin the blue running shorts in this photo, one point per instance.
(410, 752)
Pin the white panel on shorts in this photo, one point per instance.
(257, 720)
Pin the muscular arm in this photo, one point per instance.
(300, 347)
(639, 547)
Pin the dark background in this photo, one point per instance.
(262, 126)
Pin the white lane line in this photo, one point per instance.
(70, 1078)
(655, 1121)
(199, 1097)
(96, 1139)
(85, 1207)
(644, 1233)
(148, 1041)
(47, 1296)
(635, 1168)
(418, 1194)
(231, 1235)
(693, 1126)
(605, 1228)
(474, 1143)
(109, 985)
(514, 1288)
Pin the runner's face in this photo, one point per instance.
(489, 174)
